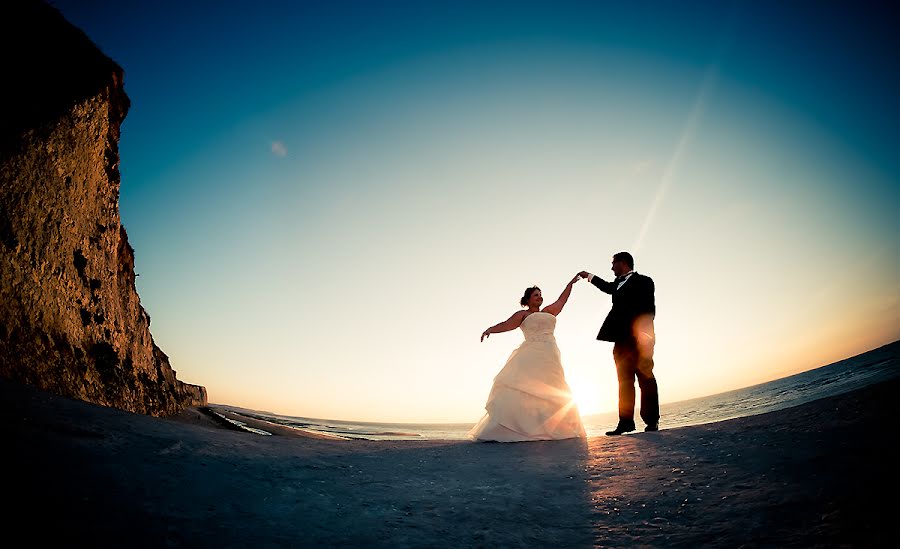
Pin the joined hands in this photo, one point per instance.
(579, 276)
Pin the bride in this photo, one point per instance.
(530, 399)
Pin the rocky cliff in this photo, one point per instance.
(71, 320)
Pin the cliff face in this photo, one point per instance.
(71, 320)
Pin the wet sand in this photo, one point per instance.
(809, 476)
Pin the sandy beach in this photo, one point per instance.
(808, 476)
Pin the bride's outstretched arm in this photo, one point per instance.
(557, 306)
(510, 323)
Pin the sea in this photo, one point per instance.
(871, 367)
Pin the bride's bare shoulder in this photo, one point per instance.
(519, 316)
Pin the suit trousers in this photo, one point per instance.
(634, 360)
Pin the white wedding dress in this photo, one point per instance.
(530, 399)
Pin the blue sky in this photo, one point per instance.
(330, 202)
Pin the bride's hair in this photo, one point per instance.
(528, 291)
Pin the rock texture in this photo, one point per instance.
(71, 320)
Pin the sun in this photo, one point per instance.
(586, 398)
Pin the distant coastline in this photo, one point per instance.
(873, 366)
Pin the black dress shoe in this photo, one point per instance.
(651, 427)
(621, 428)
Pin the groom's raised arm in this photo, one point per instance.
(602, 285)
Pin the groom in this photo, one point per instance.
(629, 326)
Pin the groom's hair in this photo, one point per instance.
(625, 258)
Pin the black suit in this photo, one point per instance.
(629, 325)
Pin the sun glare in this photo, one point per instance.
(586, 398)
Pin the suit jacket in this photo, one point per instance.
(634, 308)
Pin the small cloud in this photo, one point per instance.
(640, 167)
(278, 149)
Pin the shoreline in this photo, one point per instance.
(279, 428)
(804, 476)
(845, 375)
(217, 417)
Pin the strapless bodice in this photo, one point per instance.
(539, 326)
